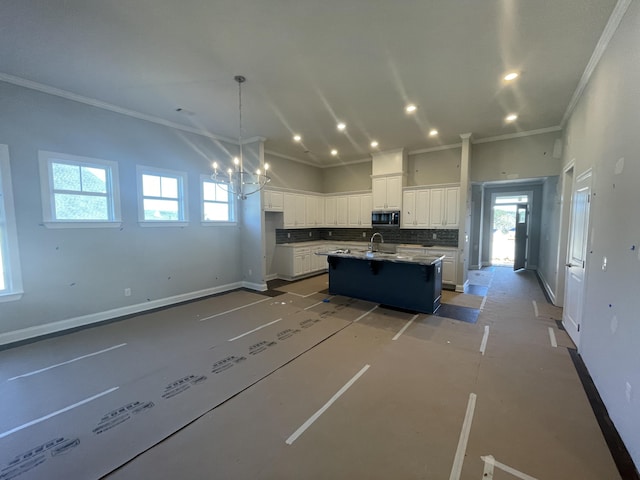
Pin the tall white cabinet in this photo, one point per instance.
(387, 192)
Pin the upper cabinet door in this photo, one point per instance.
(387, 192)
(394, 192)
(408, 216)
(365, 210)
(379, 188)
(273, 201)
(342, 208)
(452, 206)
(422, 207)
(330, 211)
(436, 208)
(289, 210)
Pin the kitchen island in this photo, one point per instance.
(402, 281)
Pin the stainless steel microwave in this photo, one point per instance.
(385, 219)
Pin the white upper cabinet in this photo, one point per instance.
(415, 209)
(335, 211)
(294, 210)
(387, 192)
(444, 207)
(342, 208)
(311, 210)
(273, 201)
(359, 210)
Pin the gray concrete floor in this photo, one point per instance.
(435, 398)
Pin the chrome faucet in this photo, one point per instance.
(371, 241)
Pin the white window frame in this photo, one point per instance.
(183, 210)
(46, 187)
(232, 206)
(9, 241)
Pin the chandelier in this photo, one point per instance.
(238, 181)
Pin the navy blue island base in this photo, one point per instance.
(410, 286)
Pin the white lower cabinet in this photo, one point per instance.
(301, 261)
(449, 263)
(292, 262)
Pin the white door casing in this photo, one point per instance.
(577, 256)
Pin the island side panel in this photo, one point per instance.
(403, 285)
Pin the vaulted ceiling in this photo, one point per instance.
(310, 64)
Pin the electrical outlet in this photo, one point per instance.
(330, 233)
(364, 234)
(434, 236)
(288, 235)
(604, 264)
(310, 234)
(614, 324)
(127, 292)
(250, 272)
(628, 392)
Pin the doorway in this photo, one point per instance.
(509, 227)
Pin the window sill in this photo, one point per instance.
(82, 224)
(151, 223)
(218, 224)
(10, 297)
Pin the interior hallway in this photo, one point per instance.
(428, 396)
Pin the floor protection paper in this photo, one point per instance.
(99, 427)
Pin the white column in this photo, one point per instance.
(464, 226)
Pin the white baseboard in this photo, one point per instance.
(270, 277)
(258, 287)
(69, 323)
(461, 288)
(547, 287)
(474, 267)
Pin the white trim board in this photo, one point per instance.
(84, 320)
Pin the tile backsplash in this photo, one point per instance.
(444, 237)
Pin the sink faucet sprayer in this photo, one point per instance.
(371, 241)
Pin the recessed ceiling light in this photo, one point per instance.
(297, 138)
(511, 118)
(410, 108)
(334, 152)
(341, 126)
(433, 132)
(374, 144)
(511, 76)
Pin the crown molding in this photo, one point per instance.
(509, 136)
(23, 82)
(609, 30)
(311, 164)
(435, 149)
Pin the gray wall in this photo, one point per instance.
(294, 175)
(548, 263)
(517, 158)
(603, 129)
(74, 272)
(434, 168)
(347, 178)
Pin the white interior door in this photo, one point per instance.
(577, 257)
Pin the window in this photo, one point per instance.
(10, 276)
(79, 191)
(162, 197)
(217, 202)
